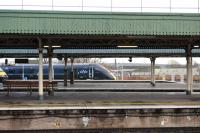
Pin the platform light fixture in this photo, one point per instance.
(196, 46)
(127, 46)
(56, 46)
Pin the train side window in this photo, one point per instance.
(59, 70)
(31, 70)
(97, 71)
(19, 70)
(98, 74)
(11, 70)
(45, 70)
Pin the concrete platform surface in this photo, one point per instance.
(125, 86)
(97, 99)
(65, 97)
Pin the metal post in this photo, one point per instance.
(50, 54)
(65, 72)
(23, 72)
(153, 71)
(40, 75)
(189, 75)
(189, 70)
(72, 72)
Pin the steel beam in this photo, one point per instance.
(40, 75)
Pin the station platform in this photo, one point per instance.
(117, 86)
(104, 94)
(101, 109)
(98, 100)
(134, 86)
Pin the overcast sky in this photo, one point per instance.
(173, 6)
(188, 6)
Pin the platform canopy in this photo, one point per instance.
(100, 31)
(98, 23)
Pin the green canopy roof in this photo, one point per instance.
(98, 23)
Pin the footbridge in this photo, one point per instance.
(99, 34)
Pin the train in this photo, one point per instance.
(81, 72)
(3, 75)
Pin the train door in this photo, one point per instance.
(91, 72)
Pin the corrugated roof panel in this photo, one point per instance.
(98, 23)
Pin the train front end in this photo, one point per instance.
(102, 73)
(3, 75)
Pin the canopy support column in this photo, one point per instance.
(72, 72)
(50, 54)
(153, 59)
(189, 70)
(40, 75)
(65, 71)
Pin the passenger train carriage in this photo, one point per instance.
(81, 71)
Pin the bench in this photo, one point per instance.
(29, 84)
